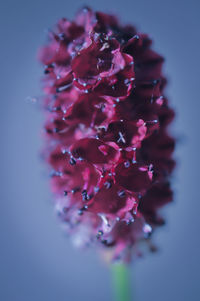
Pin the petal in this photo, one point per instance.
(125, 133)
(109, 201)
(93, 151)
(135, 177)
(89, 110)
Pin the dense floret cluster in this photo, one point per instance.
(106, 131)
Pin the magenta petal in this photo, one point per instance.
(93, 151)
(135, 177)
(109, 201)
(125, 133)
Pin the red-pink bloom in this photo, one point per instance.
(106, 131)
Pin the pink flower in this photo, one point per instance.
(106, 131)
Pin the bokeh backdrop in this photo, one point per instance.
(37, 261)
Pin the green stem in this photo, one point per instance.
(120, 281)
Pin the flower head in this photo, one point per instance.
(106, 131)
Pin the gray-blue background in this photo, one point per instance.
(37, 263)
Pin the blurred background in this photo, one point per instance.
(37, 262)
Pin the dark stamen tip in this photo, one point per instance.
(72, 161)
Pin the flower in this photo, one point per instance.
(106, 131)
